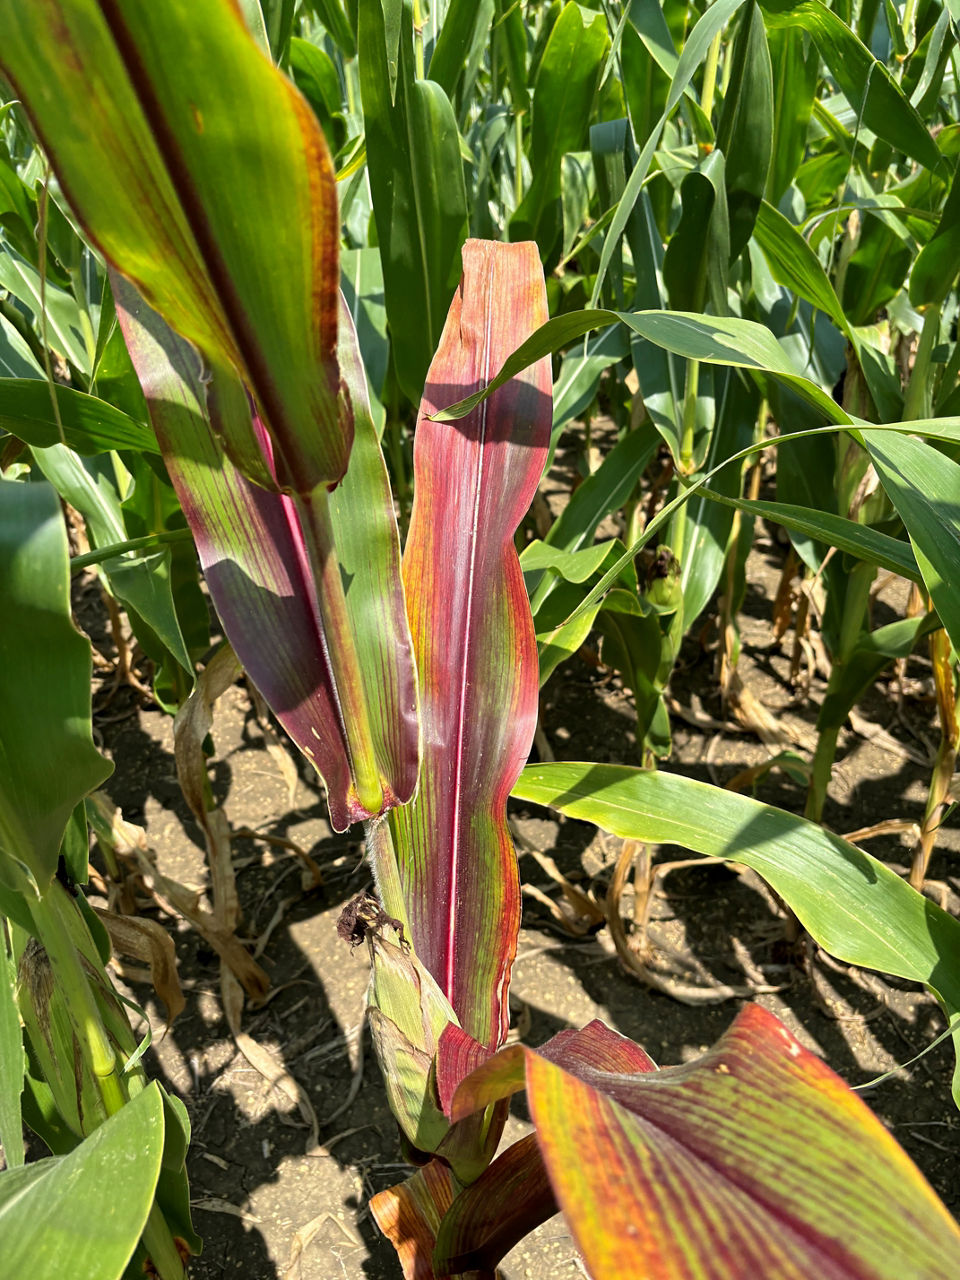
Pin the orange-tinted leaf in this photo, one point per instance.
(409, 1215)
(510, 1198)
(755, 1160)
(473, 635)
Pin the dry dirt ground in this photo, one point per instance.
(256, 1184)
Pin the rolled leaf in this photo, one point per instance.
(225, 219)
(755, 1160)
(473, 636)
(255, 559)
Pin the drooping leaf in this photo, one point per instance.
(89, 1206)
(854, 906)
(473, 637)
(924, 486)
(145, 136)
(868, 86)
(252, 549)
(855, 539)
(794, 264)
(724, 340)
(48, 762)
(756, 1159)
(89, 425)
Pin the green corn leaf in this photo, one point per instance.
(867, 85)
(88, 425)
(141, 582)
(758, 1135)
(419, 199)
(12, 1060)
(566, 85)
(723, 340)
(707, 524)
(89, 1206)
(464, 23)
(924, 486)
(745, 131)
(938, 262)
(694, 51)
(796, 67)
(337, 23)
(697, 256)
(872, 654)
(48, 762)
(855, 539)
(795, 265)
(854, 906)
(144, 133)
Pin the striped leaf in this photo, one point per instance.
(473, 635)
(224, 218)
(259, 568)
(755, 1160)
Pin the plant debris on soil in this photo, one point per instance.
(292, 1136)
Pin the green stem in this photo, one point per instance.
(710, 76)
(53, 930)
(918, 398)
(342, 655)
(518, 159)
(418, 39)
(851, 627)
(689, 416)
(99, 554)
(909, 13)
(378, 838)
(158, 1242)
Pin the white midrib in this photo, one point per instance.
(461, 704)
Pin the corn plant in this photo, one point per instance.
(410, 683)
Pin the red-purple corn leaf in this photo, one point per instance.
(202, 175)
(473, 635)
(511, 1197)
(410, 1213)
(755, 1160)
(255, 562)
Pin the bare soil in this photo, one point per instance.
(254, 1188)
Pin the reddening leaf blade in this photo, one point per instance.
(410, 1213)
(136, 106)
(473, 636)
(255, 562)
(754, 1160)
(511, 1197)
